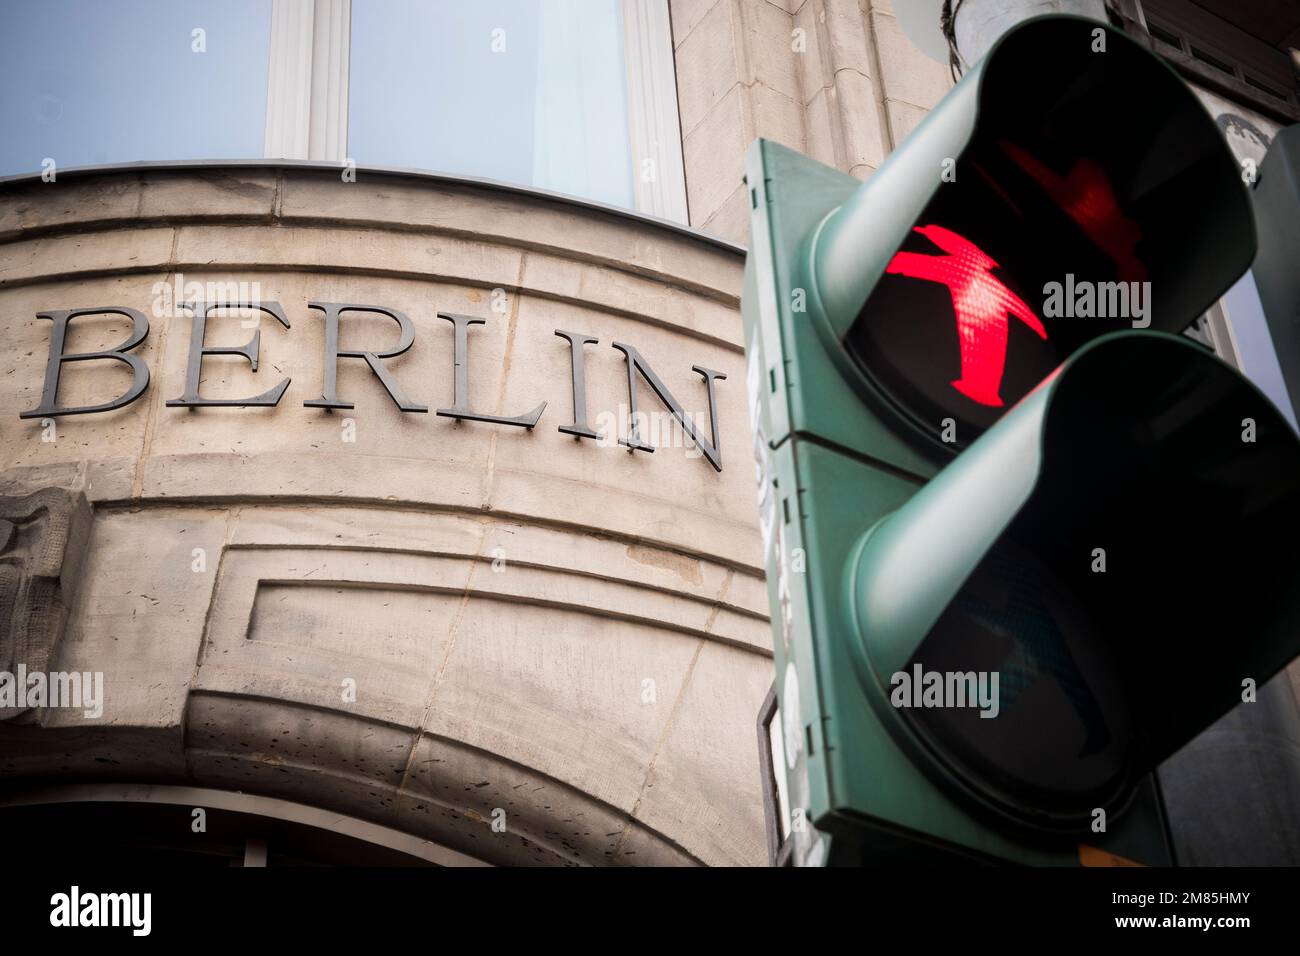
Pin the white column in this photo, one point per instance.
(331, 37)
(307, 89)
(656, 138)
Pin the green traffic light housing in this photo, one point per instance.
(1057, 552)
(1070, 155)
(965, 470)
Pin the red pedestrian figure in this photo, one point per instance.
(981, 303)
(1086, 195)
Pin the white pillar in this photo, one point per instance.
(307, 88)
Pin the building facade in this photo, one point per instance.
(434, 538)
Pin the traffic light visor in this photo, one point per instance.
(1077, 187)
(1118, 551)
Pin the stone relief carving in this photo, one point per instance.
(42, 543)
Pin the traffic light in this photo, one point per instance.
(1023, 540)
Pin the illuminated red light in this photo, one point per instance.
(981, 303)
(1086, 195)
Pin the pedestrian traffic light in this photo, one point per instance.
(1023, 540)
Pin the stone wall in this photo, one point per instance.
(555, 627)
(835, 79)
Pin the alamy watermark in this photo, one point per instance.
(130, 910)
(946, 689)
(170, 298)
(77, 690)
(1073, 299)
(657, 429)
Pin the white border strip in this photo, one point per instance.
(658, 178)
(307, 80)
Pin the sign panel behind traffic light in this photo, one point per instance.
(1277, 266)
